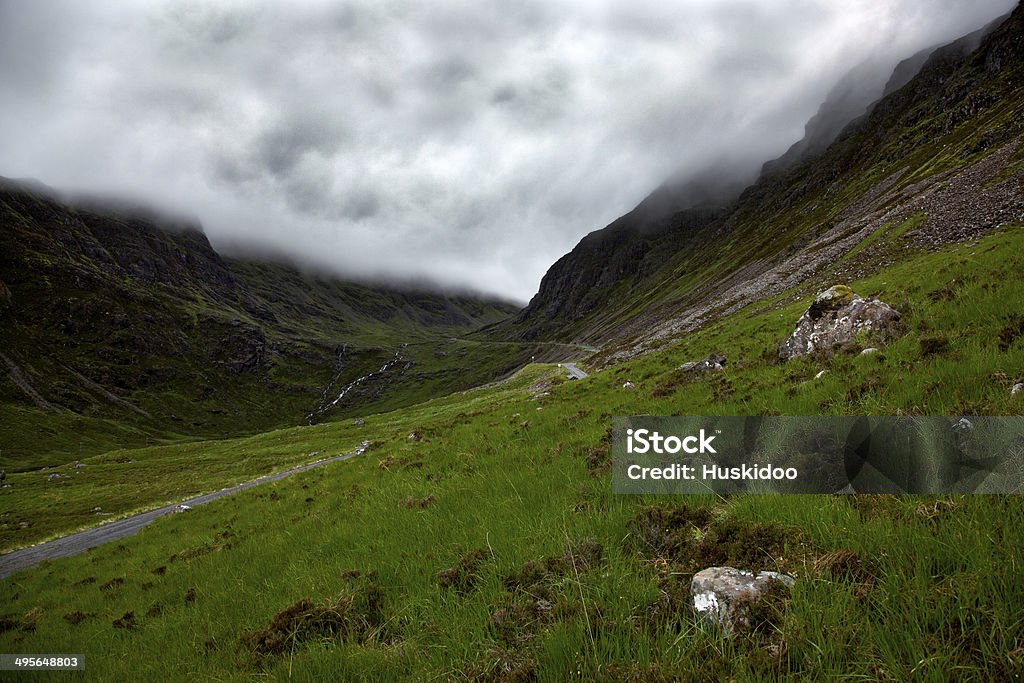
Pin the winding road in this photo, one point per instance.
(79, 542)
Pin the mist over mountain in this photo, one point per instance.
(124, 324)
(678, 260)
(471, 145)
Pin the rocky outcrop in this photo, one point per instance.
(837, 317)
(731, 598)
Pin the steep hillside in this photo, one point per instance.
(935, 161)
(120, 326)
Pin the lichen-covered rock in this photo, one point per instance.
(837, 316)
(727, 597)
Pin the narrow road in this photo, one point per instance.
(79, 542)
(574, 372)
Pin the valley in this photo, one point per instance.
(459, 522)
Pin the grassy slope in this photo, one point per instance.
(889, 588)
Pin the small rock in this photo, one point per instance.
(359, 421)
(1017, 388)
(723, 595)
(313, 454)
(869, 351)
(23, 525)
(415, 436)
(821, 374)
(628, 385)
(52, 477)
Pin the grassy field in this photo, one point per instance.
(490, 546)
(33, 438)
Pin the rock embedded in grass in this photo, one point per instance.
(732, 598)
(837, 316)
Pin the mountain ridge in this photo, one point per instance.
(133, 316)
(649, 285)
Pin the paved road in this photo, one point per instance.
(73, 544)
(574, 372)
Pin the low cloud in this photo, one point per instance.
(471, 144)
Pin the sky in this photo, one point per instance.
(468, 144)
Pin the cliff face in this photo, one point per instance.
(950, 108)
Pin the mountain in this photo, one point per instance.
(935, 160)
(857, 92)
(119, 325)
(848, 99)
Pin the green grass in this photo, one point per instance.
(886, 234)
(888, 588)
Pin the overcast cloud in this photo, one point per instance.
(470, 143)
